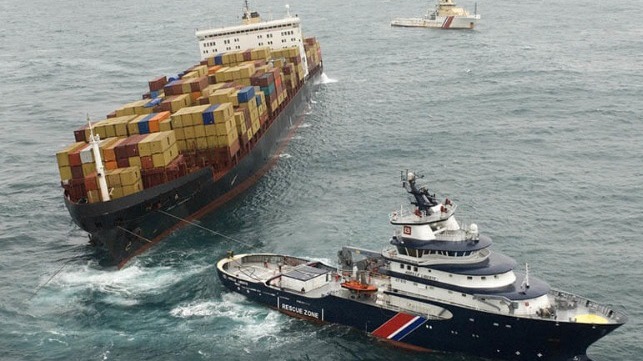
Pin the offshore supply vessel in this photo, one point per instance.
(437, 287)
(446, 15)
(193, 141)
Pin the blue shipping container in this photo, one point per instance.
(208, 114)
(245, 94)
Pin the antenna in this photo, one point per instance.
(525, 282)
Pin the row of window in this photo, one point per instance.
(415, 269)
(247, 31)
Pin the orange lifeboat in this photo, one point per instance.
(357, 286)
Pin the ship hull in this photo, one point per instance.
(123, 228)
(440, 22)
(468, 331)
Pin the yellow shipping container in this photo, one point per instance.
(116, 192)
(162, 141)
(130, 175)
(199, 131)
(220, 76)
(260, 53)
(189, 132)
(181, 101)
(201, 69)
(88, 168)
(145, 145)
(221, 96)
(65, 172)
(113, 177)
(132, 125)
(228, 139)
(164, 158)
(132, 188)
(201, 143)
(223, 128)
(223, 112)
(179, 133)
(165, 125)
(135, 162)
(182, 144)
(210, 129)
(118, 126)
(212, 141)
(197, 118)
(63, 155)
(211, 89)
(189, 75)
(93, 196)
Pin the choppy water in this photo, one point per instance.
(532, 123)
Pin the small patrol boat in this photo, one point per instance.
(438, 286)
(446, 15)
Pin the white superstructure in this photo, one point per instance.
(253, 33)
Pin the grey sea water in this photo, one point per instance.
(532, 123)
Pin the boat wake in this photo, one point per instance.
(324, 79)
(126, 287)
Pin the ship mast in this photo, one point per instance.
(423, 199)
(94, 140)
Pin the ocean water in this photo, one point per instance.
(532, 123)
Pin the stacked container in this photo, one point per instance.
(207, 115)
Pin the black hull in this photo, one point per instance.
(468, 331)
(125, 227)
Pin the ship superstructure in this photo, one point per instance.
(253, 33)
(438, 286)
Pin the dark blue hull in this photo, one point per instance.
(125, 227)
(468, 331)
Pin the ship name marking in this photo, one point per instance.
(299, 310)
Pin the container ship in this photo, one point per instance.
(438, 286)
(192, 142)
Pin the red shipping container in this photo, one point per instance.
(146, 162)
(120, 151)
(122, 162)
(74, 157)
(131, 146)
(91, 183)
(158, 83)
(79, 134)
(77, 172)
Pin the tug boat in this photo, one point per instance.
(446, 15)
(438, 287)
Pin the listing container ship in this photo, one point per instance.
(193, 141)
(438, 287)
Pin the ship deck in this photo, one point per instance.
(264, 269)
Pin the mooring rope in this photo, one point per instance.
(206, 229)
(134, 234)
(49, 280)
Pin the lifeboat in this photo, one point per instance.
(357, 286)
